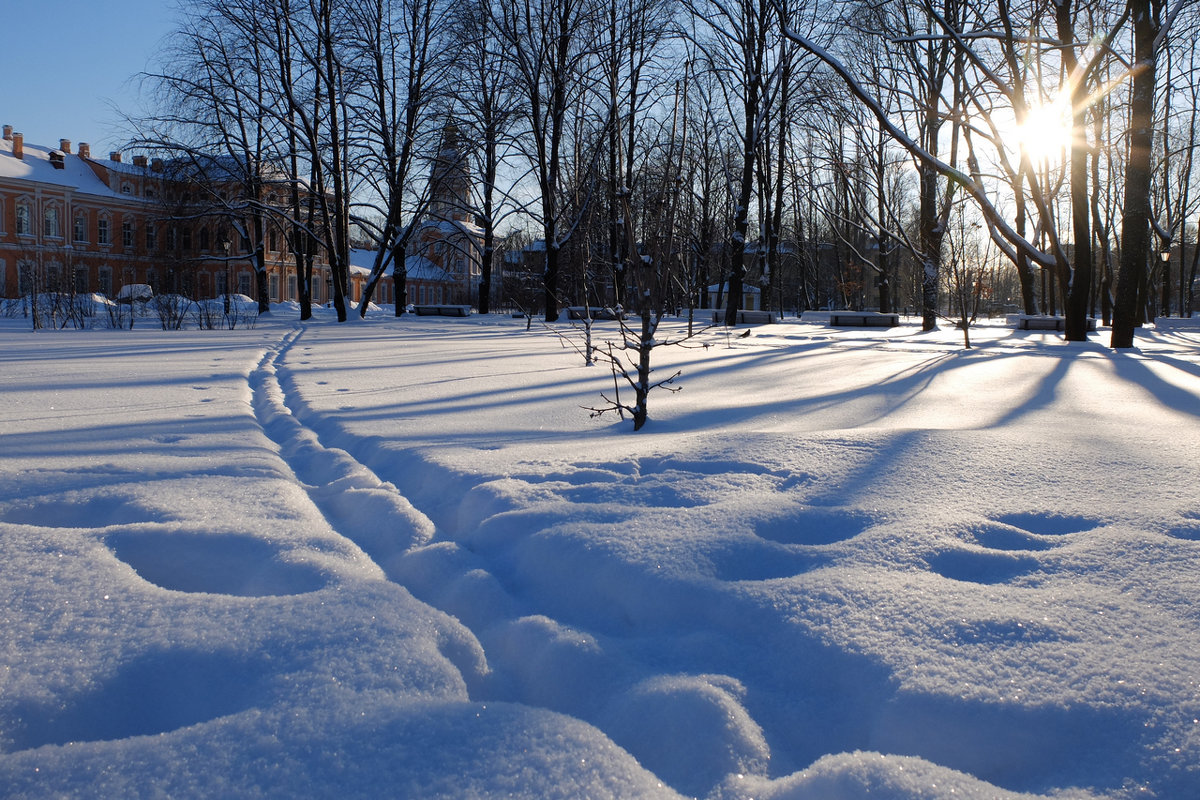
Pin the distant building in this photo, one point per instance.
(448, 240)
(444, 255)
(71, 222)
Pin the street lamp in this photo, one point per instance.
(1165, 255)
(228, 275)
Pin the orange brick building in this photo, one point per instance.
(71, 222)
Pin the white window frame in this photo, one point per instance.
(24, 217)
(104, 230)
(52, 221)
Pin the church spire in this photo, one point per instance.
(450, 180)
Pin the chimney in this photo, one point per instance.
(18, 140)
(139, 161)
(85, 150)
(8, 133)
(115, 156)
(65, 146)
(156, 164)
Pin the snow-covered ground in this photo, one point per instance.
(399, 559)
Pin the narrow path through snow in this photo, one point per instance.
(370, 512)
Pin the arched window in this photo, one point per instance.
(103, 230)
(204, 239)
(81, 232)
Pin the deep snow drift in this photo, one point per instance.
(398, 558)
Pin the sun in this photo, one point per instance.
(1046, 132)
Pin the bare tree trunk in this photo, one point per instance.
(1135, 239)
(1081, 274)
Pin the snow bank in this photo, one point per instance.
(398, 558)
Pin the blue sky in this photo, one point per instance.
(67, 63)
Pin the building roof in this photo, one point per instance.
(75, 175)
(453, 226)
(418, 268)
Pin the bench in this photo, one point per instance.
(862, 319)
(1039, 322)
(593, 312)
(1177, 323)
(747, 316)
(442, 311)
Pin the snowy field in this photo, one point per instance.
(399, 559)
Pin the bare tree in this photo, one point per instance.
(1148, 30)
(489, 105)
(212, 127)
(550, 49)
(739, 39)
(398, 54)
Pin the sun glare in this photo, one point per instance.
(1046, 132)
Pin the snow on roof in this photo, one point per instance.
(454, 226)
(418, 268)
(361, 260)
(36, 167)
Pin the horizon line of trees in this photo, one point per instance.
(825, 153)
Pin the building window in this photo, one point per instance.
(204, 240)
(185, 236)
(222, 283)
(23, 221)
(24, 277)
(274, 288)
(291, 287)
(172, 237)
(274, 240)
(51, 226)
(150, 279)
(81, 228)
(81, 280)
(104, 281)
(127, 234)
(244, 283)
(103, 236)
(127, 188)
(54, 277)
(151, 237)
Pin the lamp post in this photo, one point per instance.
(228, 274)
(1165, 255)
